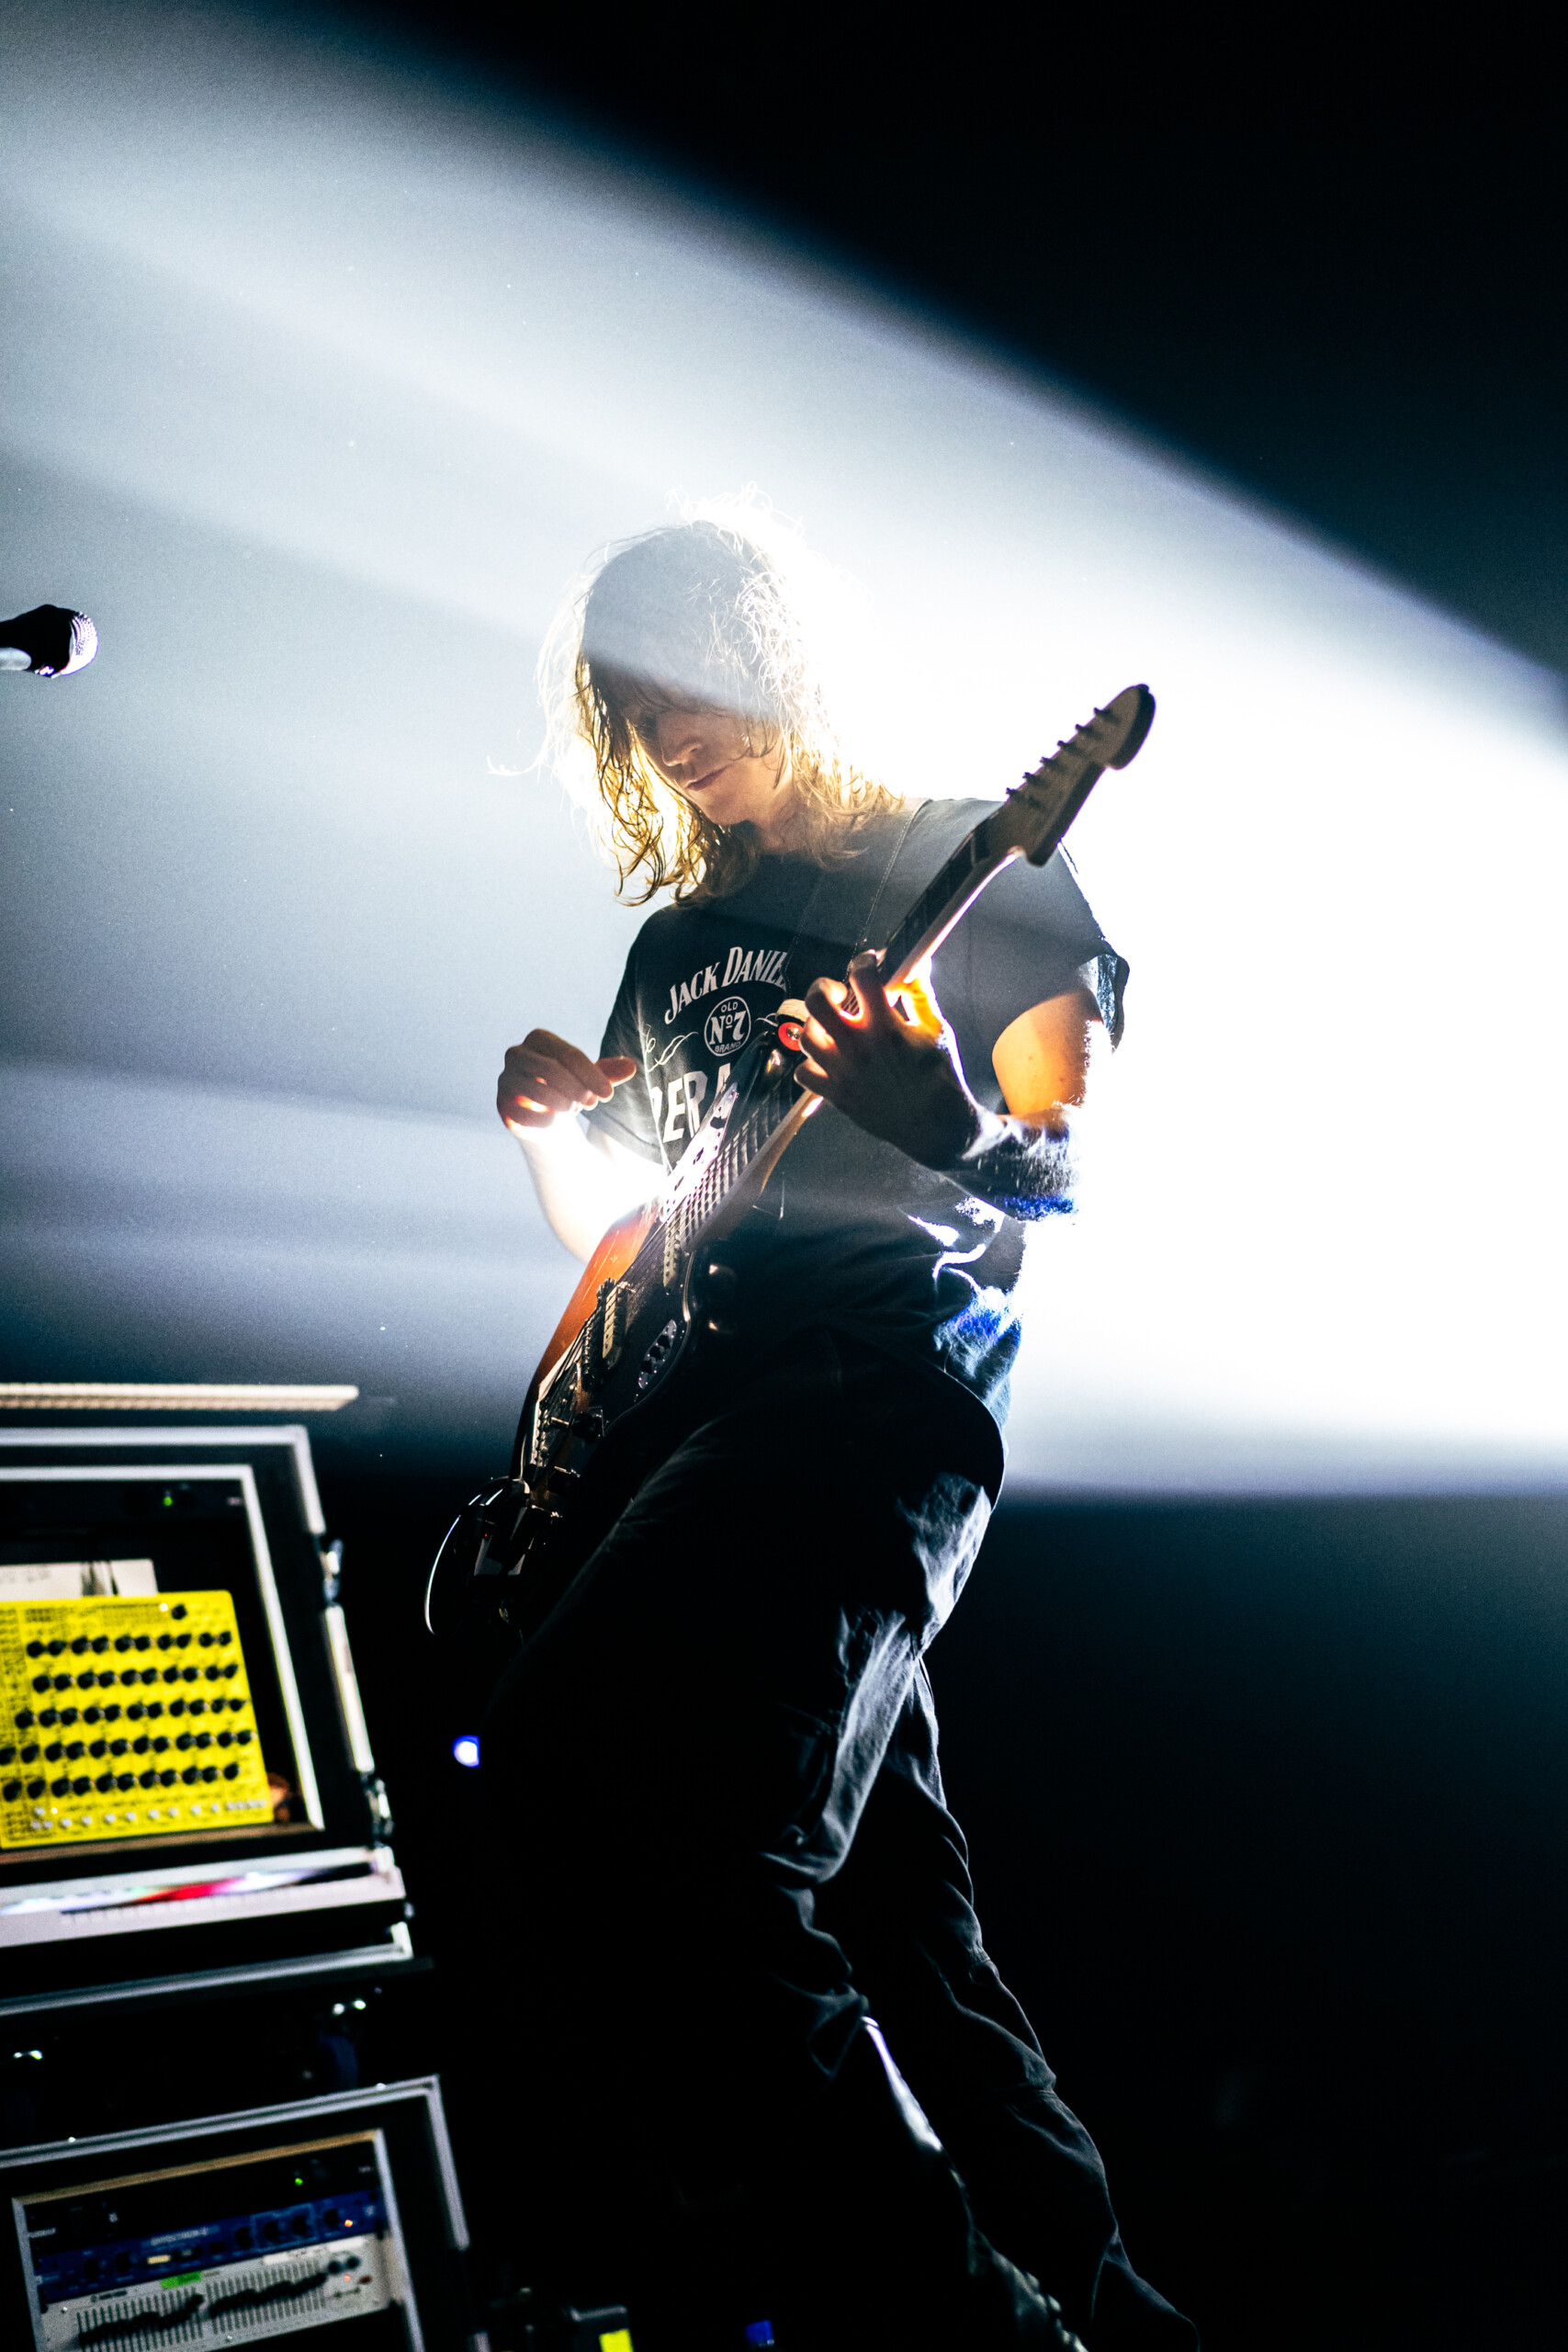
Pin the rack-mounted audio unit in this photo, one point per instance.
(187, 1786)
(331, 2223)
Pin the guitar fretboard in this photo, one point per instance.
(943, 900)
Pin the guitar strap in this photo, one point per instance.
(829, 911)
(828, 915)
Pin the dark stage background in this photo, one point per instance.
(1266, 1796)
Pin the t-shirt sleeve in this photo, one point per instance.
(1030, 937)
(628, 1117)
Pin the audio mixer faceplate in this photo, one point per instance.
(125, 1718)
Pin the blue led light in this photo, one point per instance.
(467, 1752)
(760, 2332)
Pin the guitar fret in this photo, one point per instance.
(954, 875)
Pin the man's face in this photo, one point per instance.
(704, 754)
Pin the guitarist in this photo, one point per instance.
(716, 1764)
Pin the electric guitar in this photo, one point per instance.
(592, 1415)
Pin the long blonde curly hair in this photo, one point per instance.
(700, 610)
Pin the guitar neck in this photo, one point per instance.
(1063, 785)
(944, 903)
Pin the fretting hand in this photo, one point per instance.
(896, 1074)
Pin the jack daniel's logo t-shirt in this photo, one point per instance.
(851, 1232)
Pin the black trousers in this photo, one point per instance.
(716, 1768)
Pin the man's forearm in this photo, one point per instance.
(581, 1188)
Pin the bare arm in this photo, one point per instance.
(585, 1181)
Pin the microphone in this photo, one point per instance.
(50, 641)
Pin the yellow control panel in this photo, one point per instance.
(125, 1718)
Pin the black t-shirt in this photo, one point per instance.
(850, 1232)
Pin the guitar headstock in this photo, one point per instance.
(1038, 811)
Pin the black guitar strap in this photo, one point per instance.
(829, 916)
